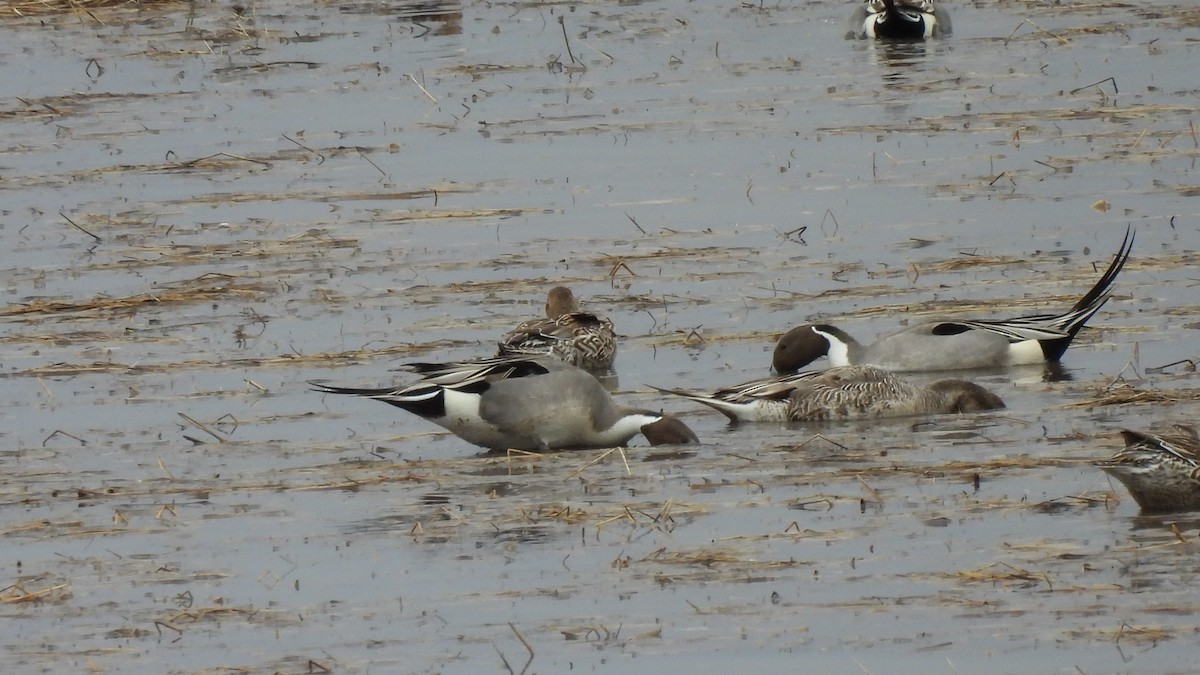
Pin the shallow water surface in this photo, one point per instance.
(208, 206)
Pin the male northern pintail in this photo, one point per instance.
(898, 20)
(579, 338)
(522, 403)
(849, 392)
(952, 345)
(1161, 471)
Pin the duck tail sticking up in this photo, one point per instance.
(1074, 319)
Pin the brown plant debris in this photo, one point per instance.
(42, 7)
(324, 358)
(999, 572)
(17, 593)
(204, 288)
(1127, 394)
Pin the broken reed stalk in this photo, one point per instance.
(201, 427)
(606, 453)
(80, 227)
(567, 40)
(23, 595)
(870, 490)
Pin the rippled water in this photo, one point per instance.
(205, 206)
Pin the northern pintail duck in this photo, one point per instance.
(1161, 471)
(579, 338)
(520, 403)
(950, 344)
(898, 20)
(846, 393)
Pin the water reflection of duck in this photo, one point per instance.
(898, 20)
(902, 63)
(430, 17)
(900, 57)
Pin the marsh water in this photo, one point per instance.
(207, 205)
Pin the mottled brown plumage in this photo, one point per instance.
(581, 339)
(1161, 471)
(849, 392)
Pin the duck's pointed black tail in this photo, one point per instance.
(1074, 320)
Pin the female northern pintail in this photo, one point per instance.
(898, 20)
(1161, 471)
(850, 392)
(521, 403)
(952, 345)
(579, 338)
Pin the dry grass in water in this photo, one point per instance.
(1002, 573)
(283, 360)
(201, 289)
(18, 593)
(1125, 633)
(71, 105)
(40, 7)
(1127, 394)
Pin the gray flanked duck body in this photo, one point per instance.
(953, 344)
(521, 403)
(898, 20)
